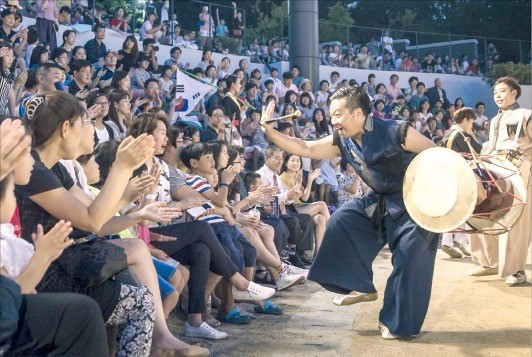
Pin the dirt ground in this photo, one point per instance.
(467, 317)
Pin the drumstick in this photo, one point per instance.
(297, 114)
(479, 162)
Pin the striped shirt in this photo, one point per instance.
(201, 185)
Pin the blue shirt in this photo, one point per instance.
(381, 161)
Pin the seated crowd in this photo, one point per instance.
(199, 210)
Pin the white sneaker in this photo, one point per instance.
(295, 270)
(516, 279)
(286, 279)
(255, 292)
(385, 332)
(353, 298)
(204, 331)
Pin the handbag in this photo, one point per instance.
(93, 262)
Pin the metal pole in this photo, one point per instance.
(245, 32)
(210, 27)
(417, 48)
(450, 48)
(304, 44)
(171, 19)
(347, 48)
(520, 52)
(485, 49)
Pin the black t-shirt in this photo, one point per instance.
(458, 142)
(128, 61)
(42, 180)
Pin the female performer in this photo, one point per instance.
(511, 129)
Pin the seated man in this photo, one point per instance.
(300, 225)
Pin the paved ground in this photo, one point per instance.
(467, 317)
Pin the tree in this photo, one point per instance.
(271, 20)
(519, 71)
(336, 25)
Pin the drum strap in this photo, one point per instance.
(451, 139)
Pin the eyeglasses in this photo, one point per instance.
(92, 121)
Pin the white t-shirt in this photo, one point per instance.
(146, 26)
(102, 135)
(387, 42)
(480, 121)
(15, 253)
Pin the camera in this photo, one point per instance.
(156, 48)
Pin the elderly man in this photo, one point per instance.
(437, 93)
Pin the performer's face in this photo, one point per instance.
(349, 124)
(504, 96)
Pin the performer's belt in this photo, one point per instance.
(376, 213)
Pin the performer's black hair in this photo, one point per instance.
(355, 98)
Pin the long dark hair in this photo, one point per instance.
(117, 77)
(134, 50)
(73, 53)
(216, 147)
(48, 111)
(65, 35)
(35, 58)
(116, 96)
(8, 72)
(322, 127)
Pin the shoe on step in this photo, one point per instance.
(204, 331)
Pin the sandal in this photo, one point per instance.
(235, 318)
(269, 308)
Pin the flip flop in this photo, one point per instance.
(235, 318)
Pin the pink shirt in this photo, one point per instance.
(393, 92)
(49, 12)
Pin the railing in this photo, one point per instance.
(419, 43)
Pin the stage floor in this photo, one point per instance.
(467, 317)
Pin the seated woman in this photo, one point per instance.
(196, 244)
(61, 130)
(292, 177)
(19, 262)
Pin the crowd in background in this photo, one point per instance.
(202, 206)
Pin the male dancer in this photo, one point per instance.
(380, 151)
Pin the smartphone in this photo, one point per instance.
(85, 239)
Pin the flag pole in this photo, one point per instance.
(213, 85)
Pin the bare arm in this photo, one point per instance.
(318, 149)
(416, 142)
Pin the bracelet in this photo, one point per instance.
(149, 196)
(224, 184)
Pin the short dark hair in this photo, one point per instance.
(64, 8)
(268, 81)
(174, 49)
(287, 75)
(413, 78)
(57, 52)
(419, 84)
(250, 85)
(371, 75)
(335, 73)
(463, 113)
(145, 123)
(147, 42)
(295, 66)
(78, 64)
(194, 151)
(150, 80)
(479, 104)
(98, 26)
(250, 178)
(355, 98)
